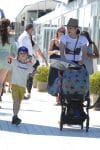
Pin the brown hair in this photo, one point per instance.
(86, 34)
(4, 23)
(29, 26)
(60, 29)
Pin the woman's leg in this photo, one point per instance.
(29, 85)
(8, 82)
(58, 100)
(3, 74)
(53, 75)
(1, 93)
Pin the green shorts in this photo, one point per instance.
(17, 92)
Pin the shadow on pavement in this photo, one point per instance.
(30, 110)
(5, 114)
(34, 129)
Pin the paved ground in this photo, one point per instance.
(40, 129)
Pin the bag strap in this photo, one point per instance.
(75, 46)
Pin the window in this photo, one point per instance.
(70, 1)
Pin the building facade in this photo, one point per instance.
(87, 11)
(31, 12)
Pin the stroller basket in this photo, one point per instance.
(72, 98)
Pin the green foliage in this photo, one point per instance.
(95, 83)
(42, 74)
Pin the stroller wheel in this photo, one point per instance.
(87, 129)
(82, 126)
(87, 124)
(62, 118)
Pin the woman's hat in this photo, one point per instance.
(72, 23)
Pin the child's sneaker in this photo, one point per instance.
(16, 120)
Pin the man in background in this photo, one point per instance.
(25, 39)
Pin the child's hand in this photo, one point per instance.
(9, 59)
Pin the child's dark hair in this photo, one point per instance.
(60, 29)
(4, 23)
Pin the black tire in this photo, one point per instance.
(62, 118)
(87, 124)
(87, 129)
(82, 126)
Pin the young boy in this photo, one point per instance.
(20, 70)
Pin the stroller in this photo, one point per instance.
(73, 86)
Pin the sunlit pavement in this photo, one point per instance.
(40, 128)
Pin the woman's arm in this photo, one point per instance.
(13, 50)
(62, 49)
(51, 51)
(42, 55)
(85, 53)
(95, 50)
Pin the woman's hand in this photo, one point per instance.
(46, 63)
(56, 52)
(95, 50)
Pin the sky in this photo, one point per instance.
(13, 7)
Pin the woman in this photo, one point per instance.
(92, 49)
(73, 45)
(7, 50)
(54, 52)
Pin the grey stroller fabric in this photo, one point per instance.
(73, 81)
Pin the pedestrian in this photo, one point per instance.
(25, 39)
(93, 52)
(7, 49)
(54, 52)
(92, 49)
(73, 45)
(20, 70)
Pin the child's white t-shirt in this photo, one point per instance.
(20, 72)
(70, 44)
